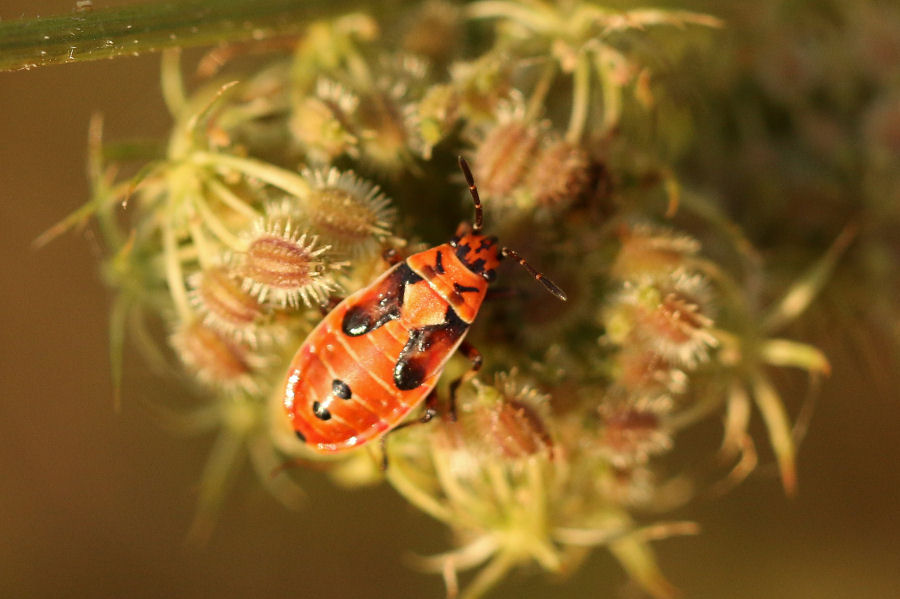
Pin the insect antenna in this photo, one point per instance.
(539, 277)
(470, 181)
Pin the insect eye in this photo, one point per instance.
(489, 275)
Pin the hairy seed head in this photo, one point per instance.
(285, 266)
(347, 212)
(213, 358)
(503, 158)
(632, 428)
(643, 370)
(560, 175)
(217, 294)
(385, 121)
(508, 418)
(435, 31)
(648, 250)
(672, 318)
(321, 123)
(668, 316)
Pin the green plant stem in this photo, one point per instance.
(131, 30)
(581, 94)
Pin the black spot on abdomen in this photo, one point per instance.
(408, 374)
(357, 321)
(341, 389)
(320, 411)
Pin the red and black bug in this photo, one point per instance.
(379, 353)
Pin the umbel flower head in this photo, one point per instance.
(505, 155)
(518, 483)
(256, 215)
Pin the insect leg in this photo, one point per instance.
(428, 415)
(501, 293)
(391, 256)
(329, 304)
(469, 351)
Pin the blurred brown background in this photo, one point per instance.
(97, 504)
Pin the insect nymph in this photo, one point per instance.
(380, 352)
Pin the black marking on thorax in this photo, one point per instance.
(383, 307)
(478, 265)
(429, 272)
(439, 263)
(412, 364)
(464, 288)
(462, 249)
(486, 243)
(456, 298)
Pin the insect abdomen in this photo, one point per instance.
(365, 366)
(372, 360)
